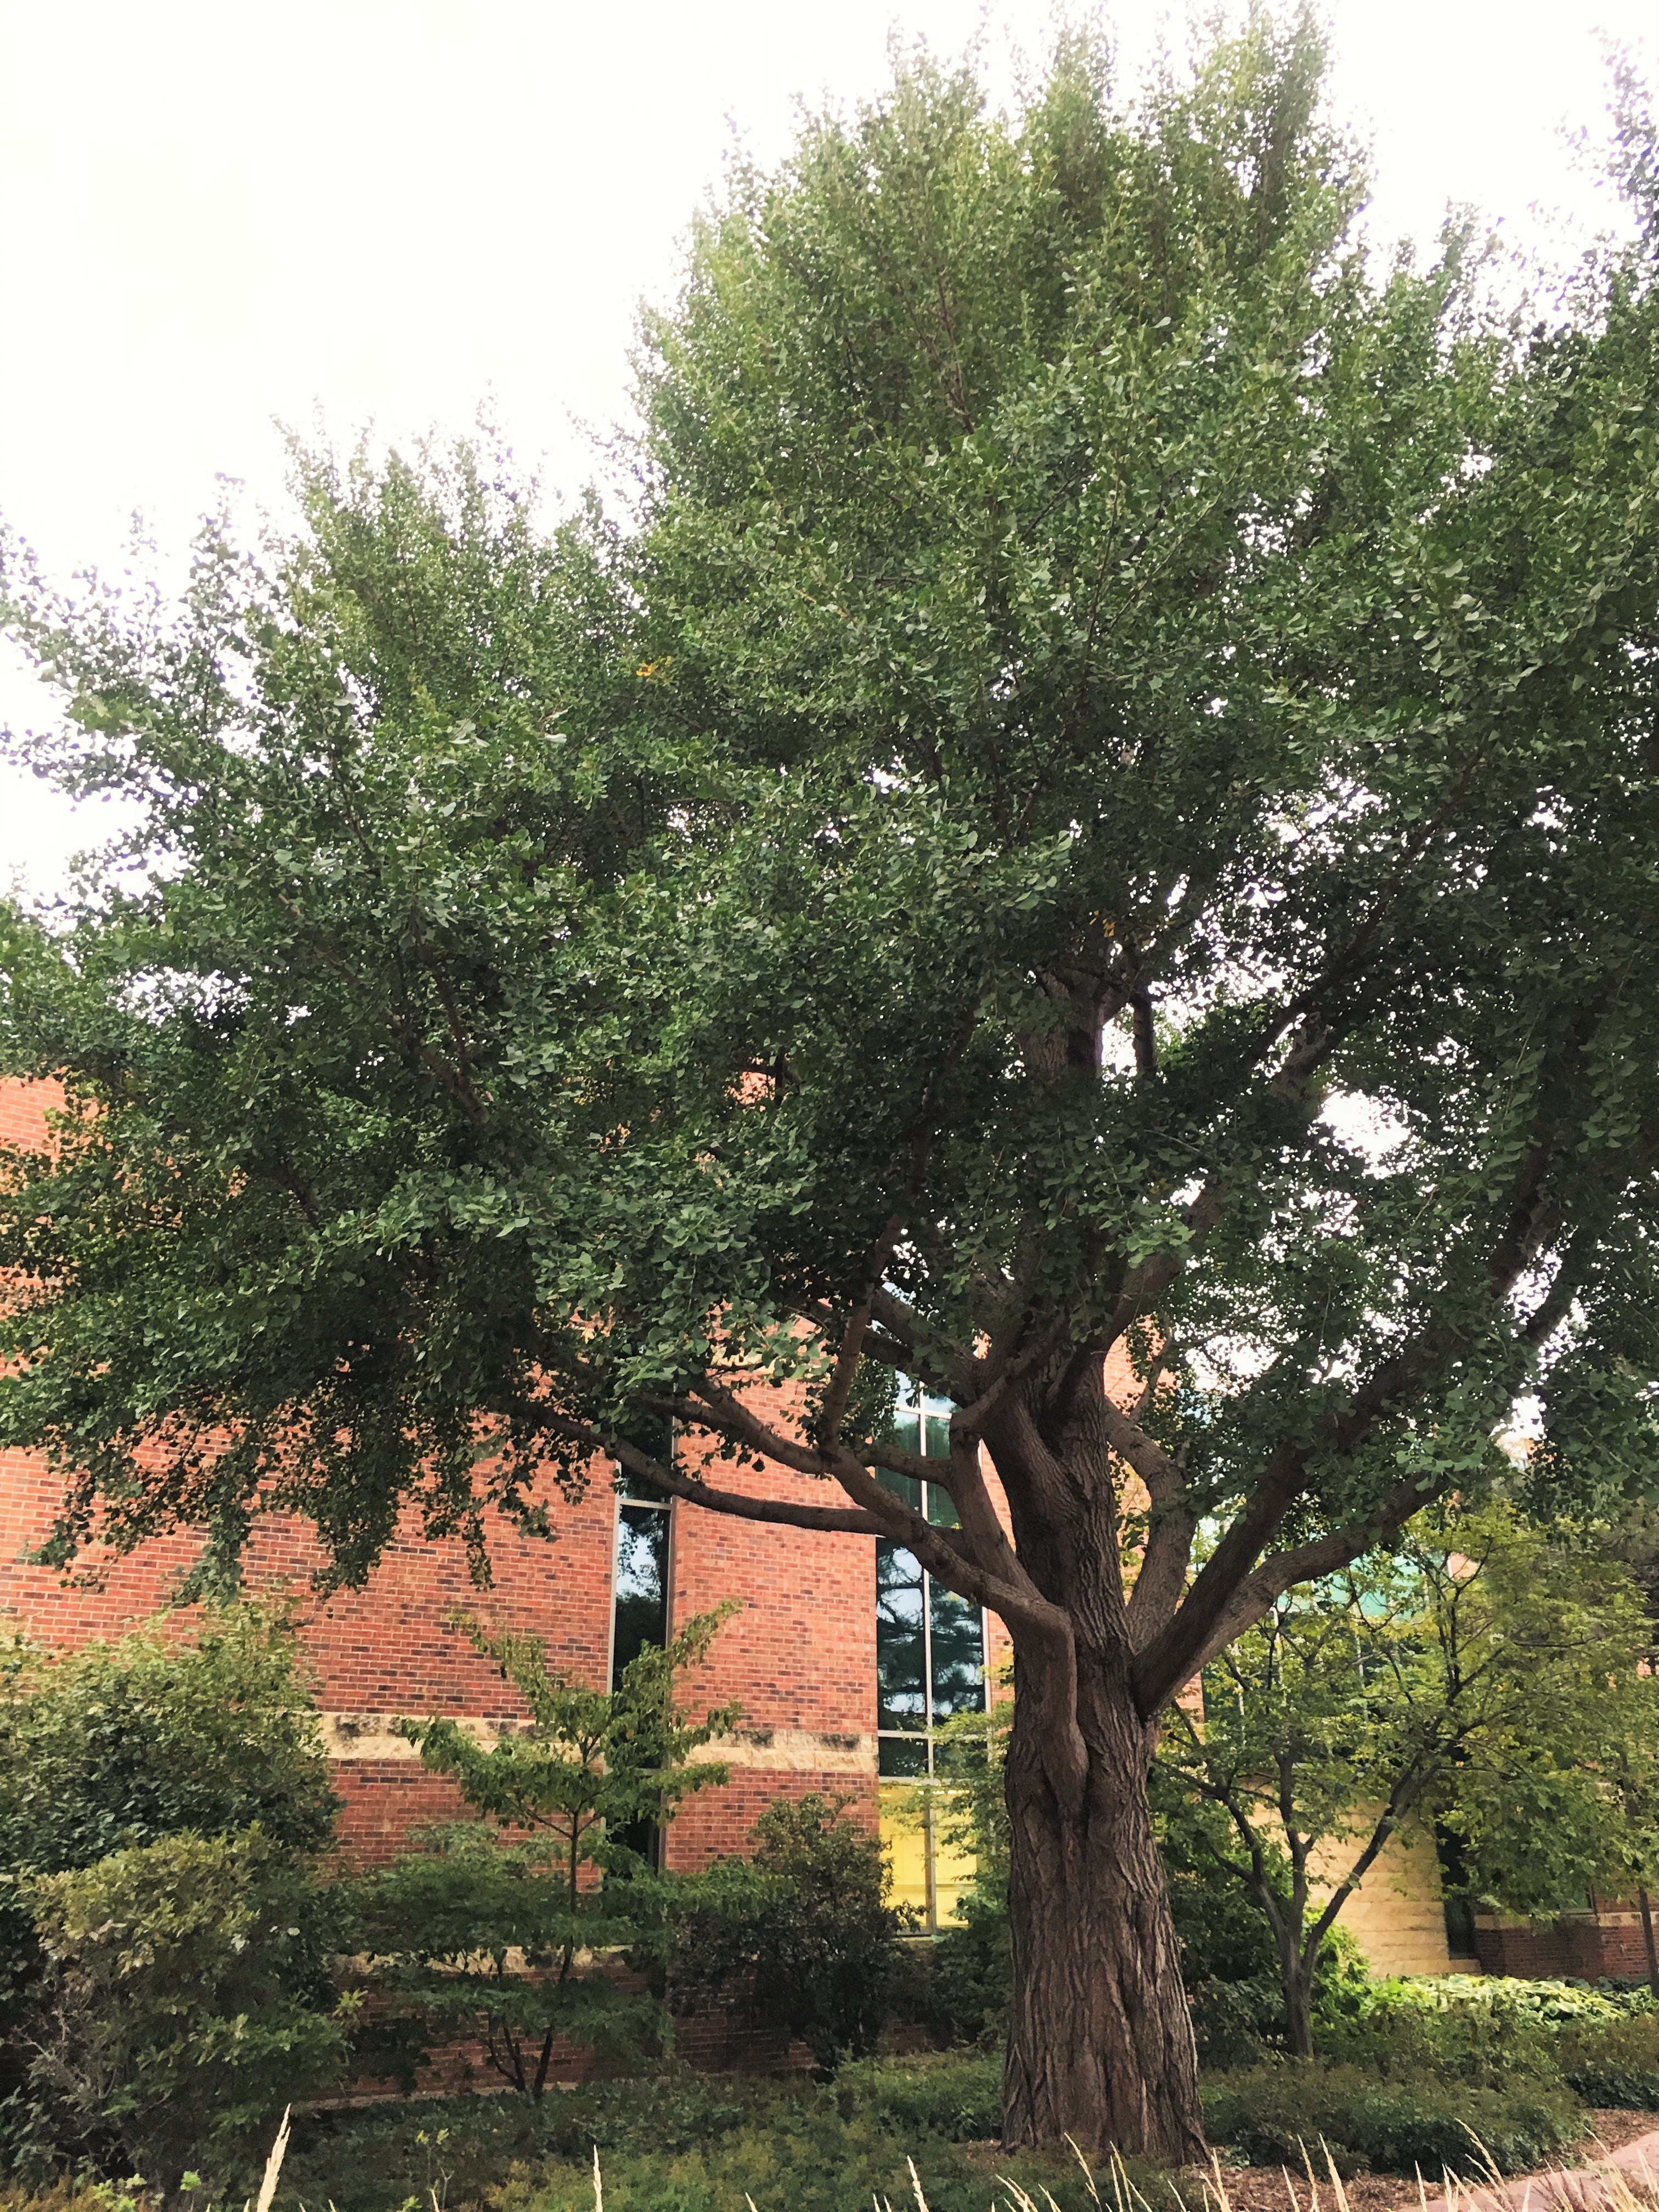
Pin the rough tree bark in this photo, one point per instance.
(1100, 2041)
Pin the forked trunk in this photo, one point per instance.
(1100, 2041)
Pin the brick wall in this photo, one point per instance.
(1582, 1946)
(799, 1656)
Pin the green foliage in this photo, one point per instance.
(473, 1936)
(801, 1935)
(591, 1763)
(1095, 676)
(1485, 1677)
(190, 1998)
(1612, 2062)
(949, 2095)
(1489, 2031)
(116, 1745)
(964, 1979)
(1510, 2000)
(680, 2140)
(504, 1939)
(1424, 2125)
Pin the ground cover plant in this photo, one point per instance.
(679, 2141)
(1089, 678)
(682, 2142)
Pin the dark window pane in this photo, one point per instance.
(901, 1486)
(901, 1673)
(940, 1510)
(939, 1436)
(958, 1654)
(902, 1755)
(644, 1837)
(642, 1585)
(648, 1434)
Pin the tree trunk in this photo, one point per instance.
(1298, 1980)
(1646, 1905)
(1100, 2041)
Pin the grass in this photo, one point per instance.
(882, 2131)
(683, 2187)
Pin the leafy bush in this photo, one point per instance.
(964, 1978)
(475, 1936)
(800, 1937)
(1613, 2062)
(1510, 1997)
(1473, 2044)
(189, 1997)
(1397, 2127)
(1494, 2029)
(946, 2094)
(116, 1745)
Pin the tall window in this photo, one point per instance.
(930, 1643)
(639, 1604)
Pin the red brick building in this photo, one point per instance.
(800, 1657)
(841, 1656)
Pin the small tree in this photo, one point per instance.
(494, 1935)
(1474, 1678)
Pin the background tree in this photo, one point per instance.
(1485, 1677)
(493, 1930)
(1090, 681)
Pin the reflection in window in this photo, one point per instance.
(641, 1587)
(930, 1643)
(930, 1665)
(639, 1618)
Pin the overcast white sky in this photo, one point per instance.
(221, 211)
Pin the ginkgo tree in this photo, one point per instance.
(1079, 669)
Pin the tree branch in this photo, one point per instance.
(784, 1512)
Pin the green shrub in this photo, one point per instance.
(964, 1978)
(1510, 1997)
(117, 1745)
(800, 1937)
(1485, 2045)
(1430, 2126)
(1492, 2030)
(188, 2000)
(1613, 2062)
(451, 1929)
(953, 2095)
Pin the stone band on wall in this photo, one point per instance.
(348, 1735)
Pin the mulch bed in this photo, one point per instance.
(1267, 2188)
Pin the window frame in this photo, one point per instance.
(925, 1409)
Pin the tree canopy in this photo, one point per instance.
(1101, 792)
